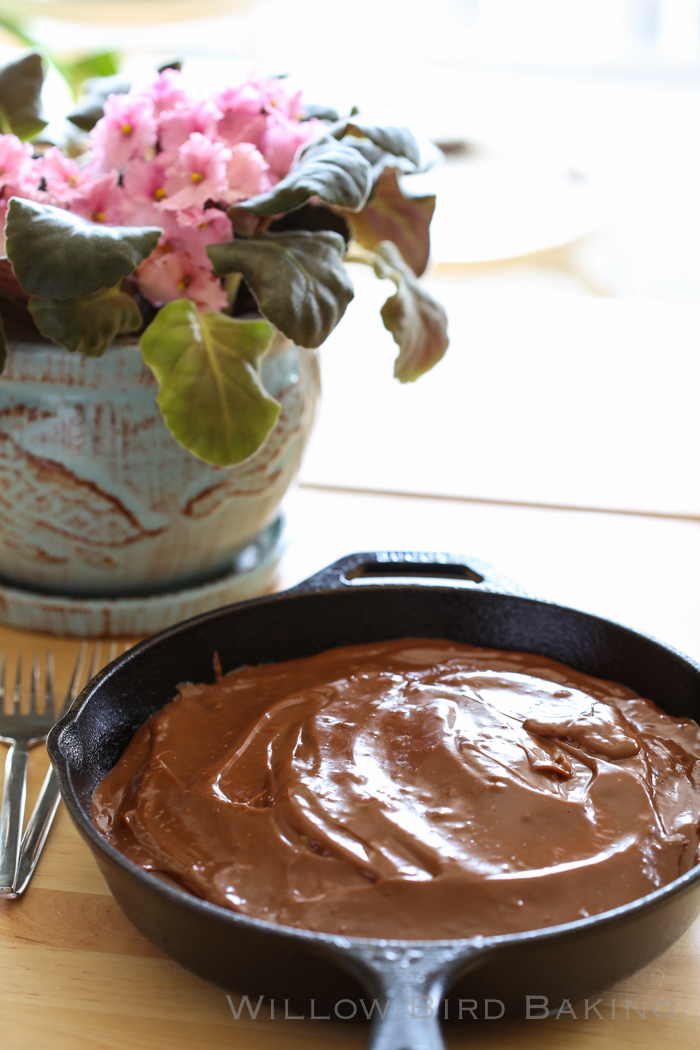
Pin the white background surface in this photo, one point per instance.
(541, 398)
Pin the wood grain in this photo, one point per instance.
(74, 973)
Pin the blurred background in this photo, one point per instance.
(566, 241)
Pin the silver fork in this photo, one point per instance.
(47, 803)
(20, 731)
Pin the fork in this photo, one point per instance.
(20, 731)
(18, 861)
(47, 802)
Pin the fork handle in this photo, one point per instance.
(37, 829)
(12, 814)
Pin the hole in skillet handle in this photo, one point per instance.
(427, 568)
(416, 571)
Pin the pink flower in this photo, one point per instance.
(195, 229)
(176, 126)
(167, 275)
(144, 189)
(62, 175)
(248, 109)
(127, 130)
(247, 173)
(276, 99)
(245, 108)
(242, 108)
(26, 186)
(197, 175)
(15, 160)
(19, 177)
(100, 200)
(165, 91)
(253, 132)
(284, 137)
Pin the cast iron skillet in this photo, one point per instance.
(365, 598)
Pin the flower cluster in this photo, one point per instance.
(160, 157)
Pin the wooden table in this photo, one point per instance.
(75, 974)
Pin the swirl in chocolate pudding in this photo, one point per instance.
(410, 789)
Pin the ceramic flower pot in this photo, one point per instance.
(97, 498)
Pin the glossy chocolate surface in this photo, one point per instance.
(412, 788)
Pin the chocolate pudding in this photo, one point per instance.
(410, 789)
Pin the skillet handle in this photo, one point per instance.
(408, 985)
(430, 568)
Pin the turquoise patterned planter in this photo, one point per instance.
(96, 497)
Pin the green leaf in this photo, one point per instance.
(21, 82)
(3, 347)
(87, 324)
(393, 215)
(336, 173)
(417, 322)
(313, 111)
(58, 255)
(398, 141)
(208, 370)
(312, 217)
(90, 109)
(98, 65)
(297, 278)
(17, 320)
(244, 222)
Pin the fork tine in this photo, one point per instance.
(47, 803)
(34, 685)
(95, 662)
(17, 697)
(49, 691)
(3, 667)
(71, 691)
